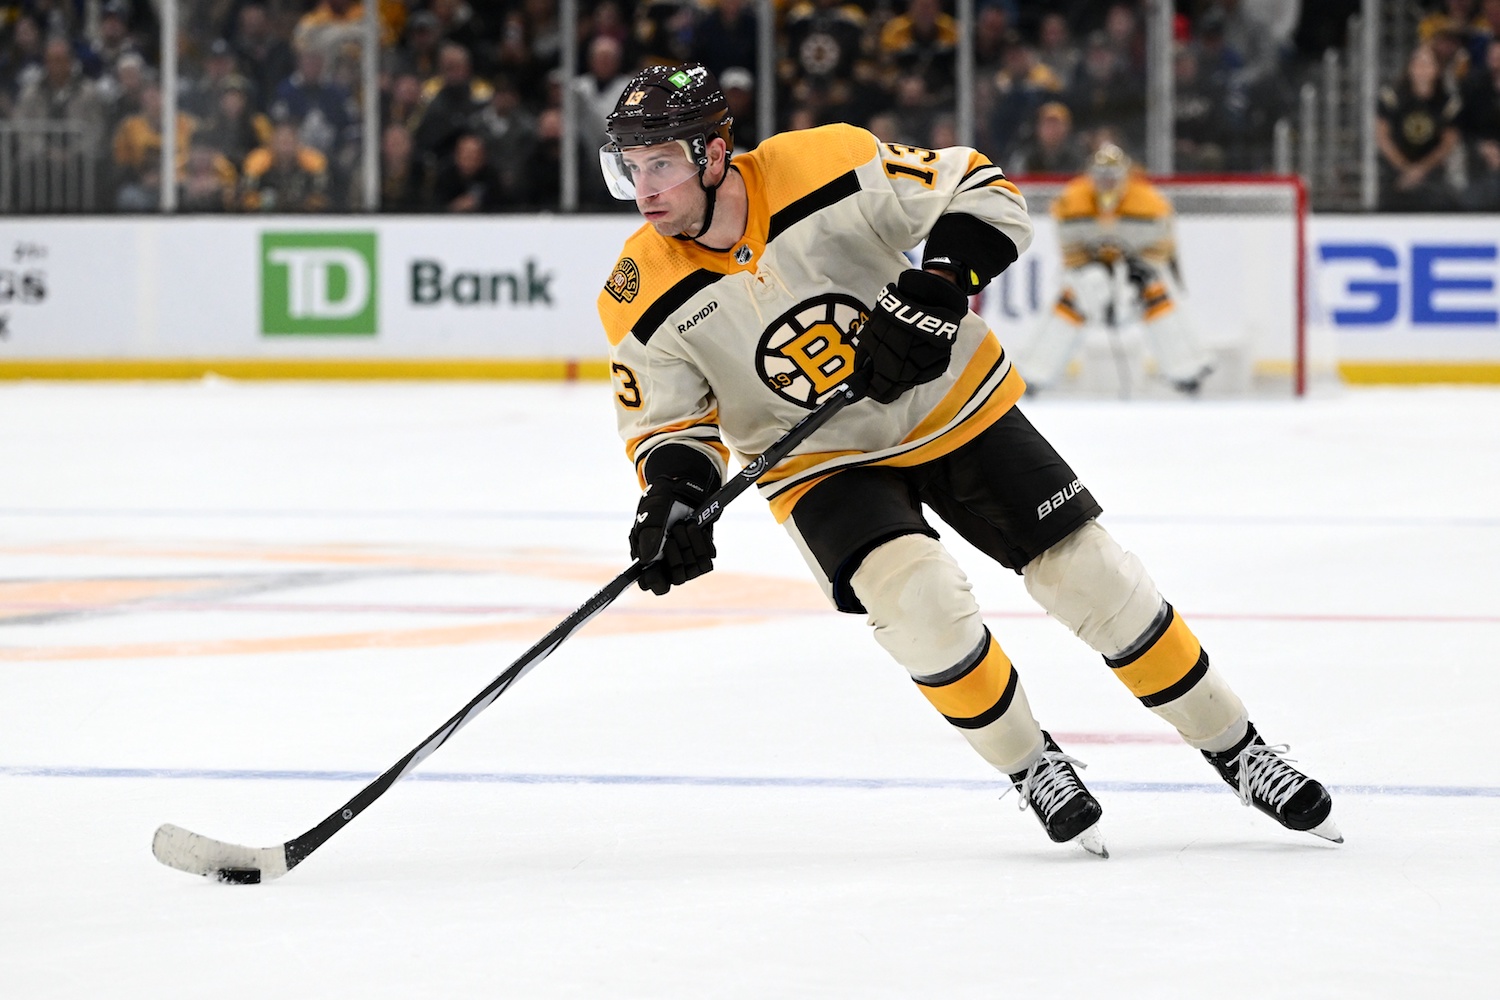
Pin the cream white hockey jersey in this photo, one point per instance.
(732, 348)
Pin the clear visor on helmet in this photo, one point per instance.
(643, 171)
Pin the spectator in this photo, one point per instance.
(923, 41)
(1200, 125)
(124, 93)
(458, 24)
(597, 91)
(113, 39)
(403, 102)
(992, 35)
(1122, 30)
(1415, 132)
(60, 96)
(738, 86)
(332, 24)
(402, 175)
(20, 62)
(1052, 148)
(423, 38)
(468, 182)
(324, 108)
(725, 36)
(510, 134)
(454, 99)
(208, 180)
(1447, 37)
(664, 30)
(1055, 48)
(913, 110)
(235, 128)
(200, 96)
(285, 175)
(1481, 119)
(264, 59)
(1107, 93)
(1022, 87)
(546, 174)
(137, 153)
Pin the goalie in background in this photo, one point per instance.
(1120, 261)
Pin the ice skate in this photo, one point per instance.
(1066, 809)
(1264, 778)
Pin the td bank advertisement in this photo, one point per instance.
(293, 287)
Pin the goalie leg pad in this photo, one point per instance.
(924, 614)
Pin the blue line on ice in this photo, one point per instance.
(712, 781)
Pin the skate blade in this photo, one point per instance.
(1328, 831)
(1092, 840)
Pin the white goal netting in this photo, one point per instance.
(1242, 268)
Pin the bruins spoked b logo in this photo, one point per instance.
(809, 351)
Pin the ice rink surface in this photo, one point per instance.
(229, 606)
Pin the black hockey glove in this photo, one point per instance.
(663, 525)
(908, 339)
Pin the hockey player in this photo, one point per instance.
(1116, 229)
(759, 286)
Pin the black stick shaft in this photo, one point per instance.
(299, 848)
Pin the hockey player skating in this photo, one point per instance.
(1120, 264)
(759, 287)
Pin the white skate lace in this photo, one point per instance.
(1264, 772)
(1049, 783)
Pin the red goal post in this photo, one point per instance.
(1242, 253)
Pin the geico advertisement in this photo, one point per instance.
(516, 287)
(1409, 288)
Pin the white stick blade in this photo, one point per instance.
(199, 855)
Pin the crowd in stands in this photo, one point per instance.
(471, 93)
(1438, 125)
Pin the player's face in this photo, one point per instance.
(660, 176)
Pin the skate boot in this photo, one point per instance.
(1066, 809)
(1264, 778)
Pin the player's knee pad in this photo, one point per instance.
(1096, 588)
(920, 604)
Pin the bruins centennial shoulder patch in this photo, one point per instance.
(809, 350)
(625, 283)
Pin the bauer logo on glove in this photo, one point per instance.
(908, 339)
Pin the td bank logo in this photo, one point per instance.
(318, 283)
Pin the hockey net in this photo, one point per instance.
(1242, 265)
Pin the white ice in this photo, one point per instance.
(228, 606)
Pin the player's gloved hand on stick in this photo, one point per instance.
(908, 339)
(662, 524)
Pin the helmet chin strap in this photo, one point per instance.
(712, 194)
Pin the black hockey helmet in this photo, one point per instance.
(665, 103)
(661, 104)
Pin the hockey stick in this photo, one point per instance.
(199, 855)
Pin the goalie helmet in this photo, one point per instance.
(665, 104)
(1108, 168)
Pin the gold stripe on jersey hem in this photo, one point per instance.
(803, 472)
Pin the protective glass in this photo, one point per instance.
(642, 171)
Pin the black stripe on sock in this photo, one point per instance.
(1182, 687)
(994, 712)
